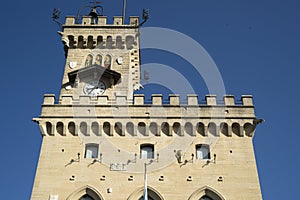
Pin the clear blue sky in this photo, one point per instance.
(255, 44)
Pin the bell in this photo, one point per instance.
(93, 13)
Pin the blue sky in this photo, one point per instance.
(255, 44)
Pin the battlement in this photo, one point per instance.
(156, 100)
(101, 21)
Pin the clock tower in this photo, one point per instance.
(101, 59)
(103, 142)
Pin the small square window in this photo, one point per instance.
(202, 151)
(147, 151)
(91, 151)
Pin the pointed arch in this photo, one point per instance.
(85, 190)
(153, 193)
(208, 192)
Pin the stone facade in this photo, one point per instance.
(119, 125)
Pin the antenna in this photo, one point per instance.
(56, 16)
(124, 9)
(145, 16)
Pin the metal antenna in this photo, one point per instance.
(56, 16)
(124, 10)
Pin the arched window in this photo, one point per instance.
(107, 61)
(206, 198)
(83, 128)
(149, 198)
(147, 151)
(60, 128)
(71, 128)
(80, 42)
(88, 61)
(202, 151)
(129, 42)
(109, 42)
(98, 60)
(86, 197)
(119, 43)
(49, 128)
(90, 43)
(142, 128)
(91, 150)
(153, 128)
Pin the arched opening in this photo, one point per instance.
(130, 128)
(119, 43)
(106, 128)
(90, 43)
(86, 197)
(80, 42)
(49, 128)
(177, 128)
(88, 61)
(98, 60)
(224, 129)
(71, 128)
(188, 128)
(206, 193)
(212, 129)
(205, 197)
(152, 194)
(85, 193)
(95, 128)
(142, 128)
(236, 129)
(60, 128)
(165, 128)
(200, 128)
(118, 129)
(109, 42)
(129, 42)
(71, 41)
(249, 129)
(100, 43)
(153, 128)
(83, 128)
(107, 61)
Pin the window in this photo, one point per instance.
(147, 151)
(91, 151)
(202, 151)
(142, 198)
(205, 198)
(86, 197)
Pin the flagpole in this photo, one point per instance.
(124, 10)
(145, 184)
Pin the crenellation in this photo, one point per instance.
(211, 100)
(139, 99)
(247, 100)
(174, 99)
(70, 20)
(49, 99)
(118, 20)
(192, 100)
(157, 99)
(229, 100)
(102, 21)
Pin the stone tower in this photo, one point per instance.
(99, 139)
